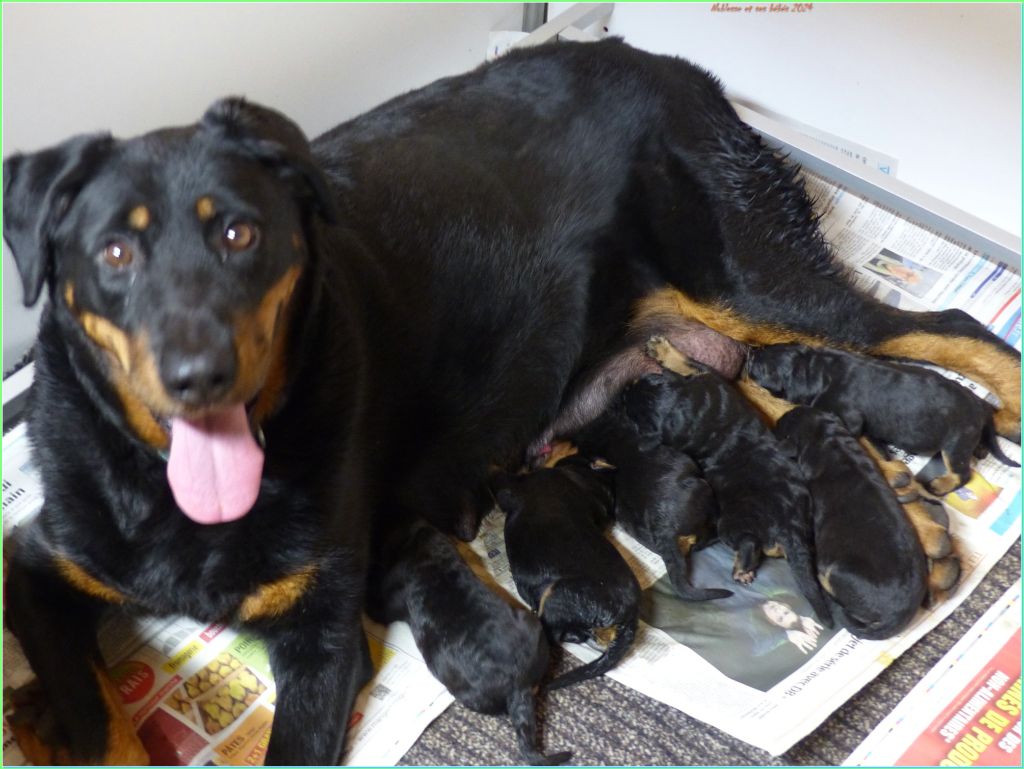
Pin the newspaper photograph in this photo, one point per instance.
(966, 710)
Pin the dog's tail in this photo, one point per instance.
(678, 567)
(522, 711)
(801, 563)
(988, 438)
(622, 638)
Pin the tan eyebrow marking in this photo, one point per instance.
(205, 208)
(138, 218)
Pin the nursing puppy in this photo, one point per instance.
(764, 505)
(878, 582)
(660, 498)
(490, 654)
(913, 407)
(562, 564)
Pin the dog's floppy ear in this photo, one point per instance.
(273, 139)
(38, 188)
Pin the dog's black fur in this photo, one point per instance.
(763, 504)
(911, 406)
(660, 497)
(491, 654)
(879, 582)
(461, 253)
(562, 564)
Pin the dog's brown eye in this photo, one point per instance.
(118, 254)
(239, 236)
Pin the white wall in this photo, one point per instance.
(938, 87)
(131, 68)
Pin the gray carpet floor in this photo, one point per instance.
(606, 723)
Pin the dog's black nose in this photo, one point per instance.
(197, 358)
(198, 378)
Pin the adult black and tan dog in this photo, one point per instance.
(394, 307)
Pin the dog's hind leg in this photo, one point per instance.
(749, 554)
(739, 239)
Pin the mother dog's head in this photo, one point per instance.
(174, 256)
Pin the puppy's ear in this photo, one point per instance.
(273, 139)
(38, 189)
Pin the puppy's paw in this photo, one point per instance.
(932, 534)
(744, 576)
(659, 348)
(944, 484)
(943, 574)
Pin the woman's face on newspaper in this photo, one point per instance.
(779, 614)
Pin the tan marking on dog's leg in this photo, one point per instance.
(775, 551)
(36, 752)
(659, 348)
(69, 295)
(605, 635)
(943, 574)
(769, 406)
(896, 474)
(944, 484)
(124, 748)
(826, 579)
(139, 218)
(721, 318)
(686, 543)
(559, 451)
(544, 598)
(84, 582)
(997, 370)
(934, 538)
(276, 598)
(298, 242)
(205, 209)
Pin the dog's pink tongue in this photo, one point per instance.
(215, 466)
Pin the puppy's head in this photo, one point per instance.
(173, 258)
(785, 370)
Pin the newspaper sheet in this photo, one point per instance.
(204, 694)
(966, 710)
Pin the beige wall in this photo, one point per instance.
(937, 86)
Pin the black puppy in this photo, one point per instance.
(764, 505)
(878, 581)
(490, 653)
(913, 407)
(660, 498)
(562, 564)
